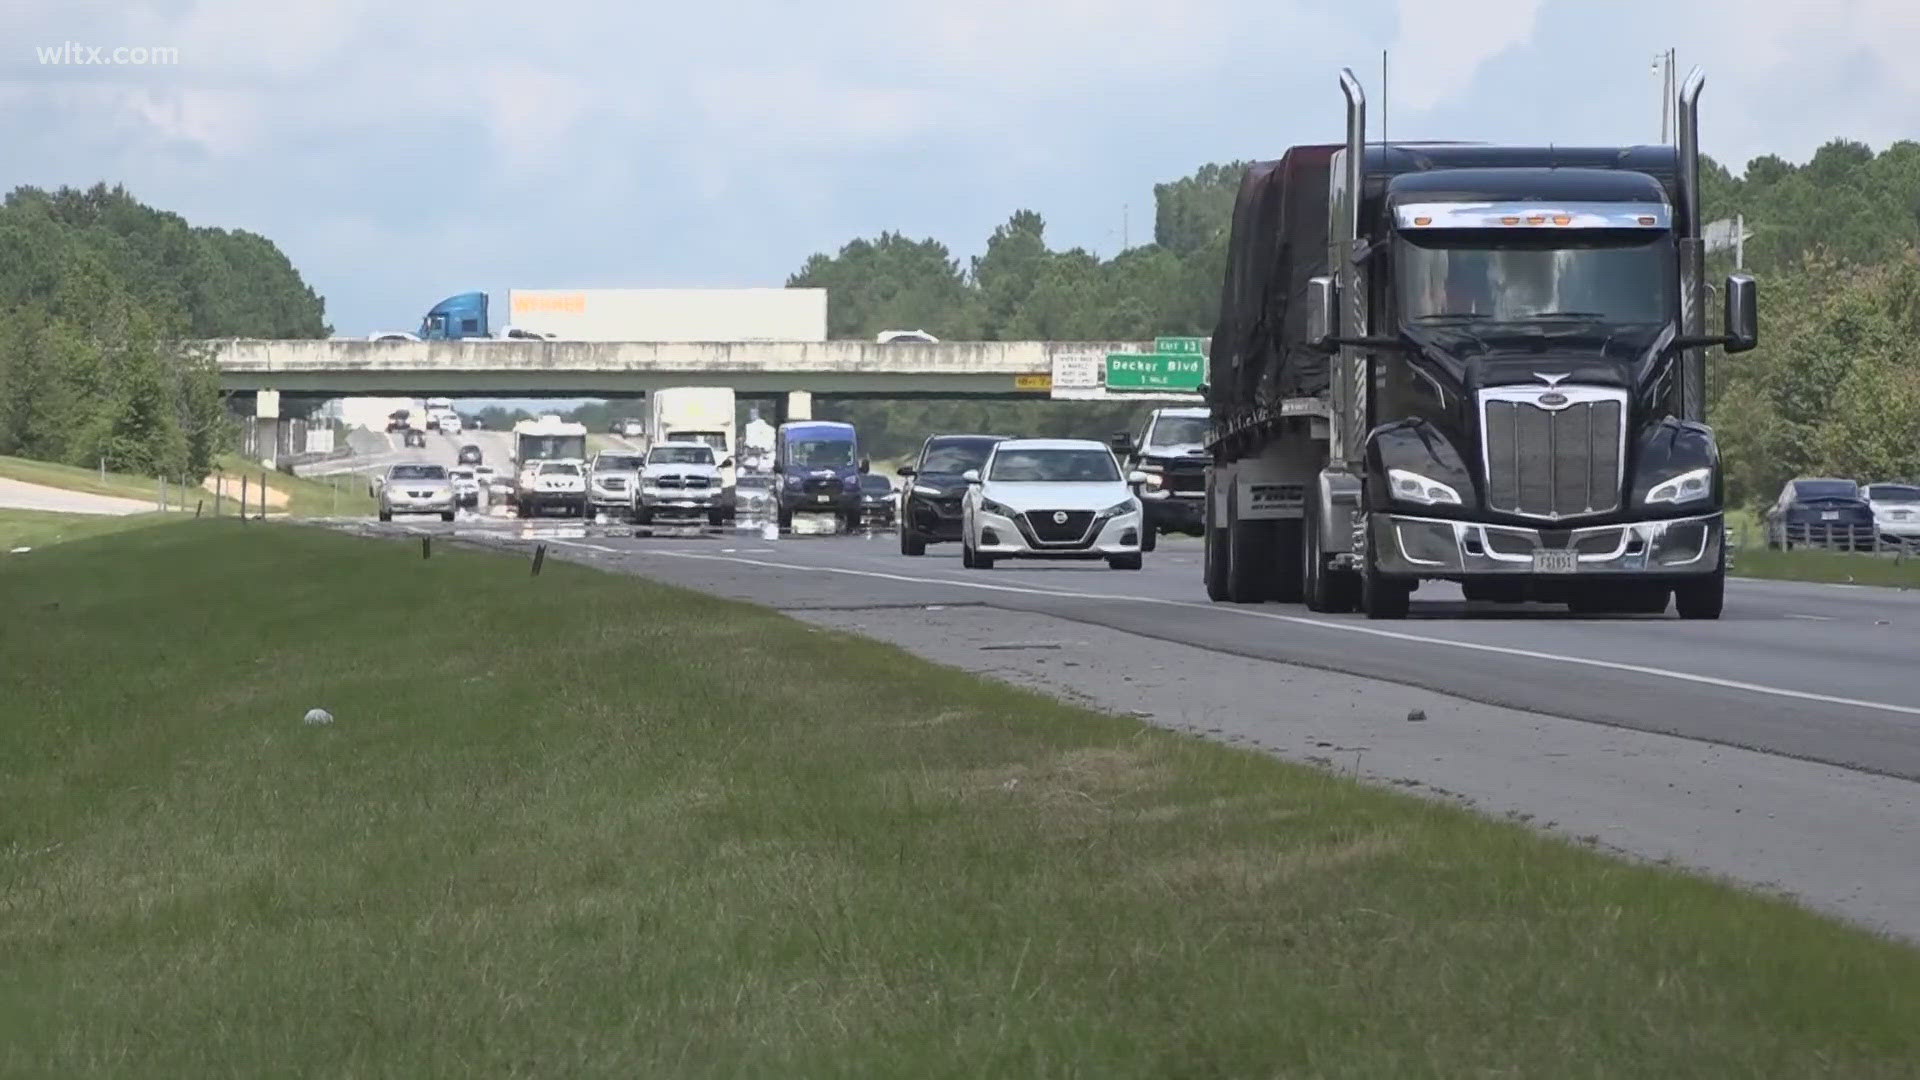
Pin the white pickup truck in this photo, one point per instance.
(560, 483)
(680, 479)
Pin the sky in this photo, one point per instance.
(401, 152)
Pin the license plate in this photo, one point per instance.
(1829, 515)
(822, 498)
(1555, 562)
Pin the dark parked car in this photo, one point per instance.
(876, 500)
(469, 455)
(930, 503)
(1821, 512)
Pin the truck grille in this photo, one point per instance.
(1553, 463)
(1186, 479)
(1047, 531)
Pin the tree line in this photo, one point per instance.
(100, 296)
(1833, 389)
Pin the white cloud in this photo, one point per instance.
(1442, 43)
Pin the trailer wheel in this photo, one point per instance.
(1250, 553)
(1214, 560)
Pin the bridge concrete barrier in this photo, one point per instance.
(615, 368)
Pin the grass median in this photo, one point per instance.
(41, 528)
(581, 824)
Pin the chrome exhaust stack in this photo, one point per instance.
(1692, 384)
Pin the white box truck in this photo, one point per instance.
(703, 414)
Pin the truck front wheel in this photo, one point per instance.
(1323, 588)
(1704, 597)
(1381, 596)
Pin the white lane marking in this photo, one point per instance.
(1810, 618)
(582, 544)
(1321, 624)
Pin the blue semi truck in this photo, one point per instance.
(818, 466)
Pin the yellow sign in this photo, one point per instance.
(571, 303)
(1033, 382)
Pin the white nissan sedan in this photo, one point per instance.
(1050, 499)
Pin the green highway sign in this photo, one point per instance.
(1155, 371)
(1189, 346)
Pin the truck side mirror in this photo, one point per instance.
(904, 470)
(1320, 312)
(1742, 318)
(866, 466)
(1121, 442)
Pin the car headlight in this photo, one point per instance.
(990, 507)
(1422, 490)
(926, 489)
(1688, 487)
(1117, 509)
(1154, 481)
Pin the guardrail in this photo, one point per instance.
(1829, 536)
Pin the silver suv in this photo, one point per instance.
(415, 488)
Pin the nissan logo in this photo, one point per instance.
(1059, 517)
(1553, 399)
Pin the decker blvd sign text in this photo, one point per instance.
(1155, 371)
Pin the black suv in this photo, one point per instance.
(930, 502)
(469, 455)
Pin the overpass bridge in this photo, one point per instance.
(795, 370)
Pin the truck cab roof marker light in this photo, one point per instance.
(1577, 215)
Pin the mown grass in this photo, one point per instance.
(1830, 566)
(594, 826)
(119, 485)
(343, 495)
(39, 528)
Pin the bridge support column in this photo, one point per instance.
(266, 425)
(799, 405)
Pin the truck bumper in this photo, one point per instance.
(1174, 513)
(1410, 546)
(838, 504)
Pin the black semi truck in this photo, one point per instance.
(1479, 364)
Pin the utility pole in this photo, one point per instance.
(1663, 65)
(1383, 97)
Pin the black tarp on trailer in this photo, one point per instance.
(1278, 242)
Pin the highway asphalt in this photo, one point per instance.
(20, 495)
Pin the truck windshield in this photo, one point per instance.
(1054, 466)
(1608, 276)
(1178, 431)
(547, 447)
(680, 455)
(821, 453)
(617, 463)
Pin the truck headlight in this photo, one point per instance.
(1689, 486)
(1421, 490)
(1155, 481)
